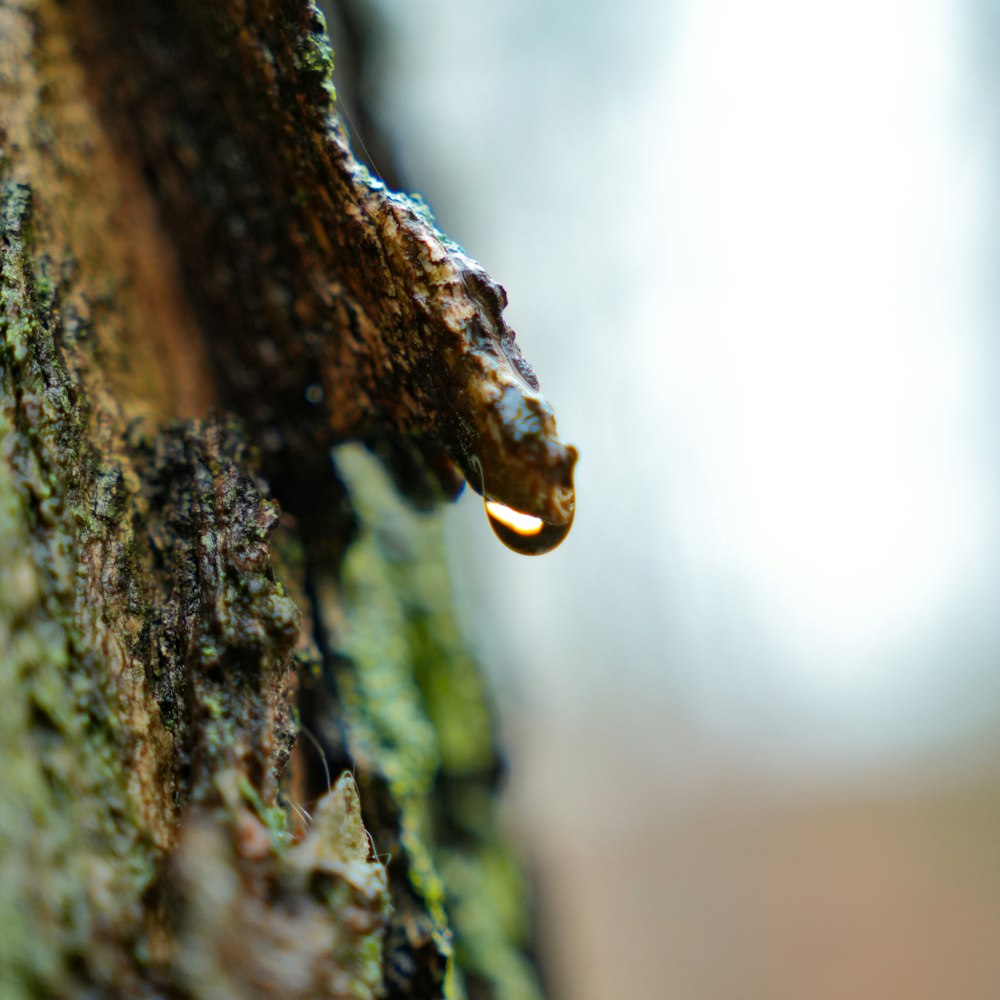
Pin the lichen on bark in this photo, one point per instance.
(203, 622)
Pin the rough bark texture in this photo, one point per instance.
(203, 622)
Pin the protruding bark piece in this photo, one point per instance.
(258, 920)
(337, 308)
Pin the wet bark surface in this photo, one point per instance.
(243, 749)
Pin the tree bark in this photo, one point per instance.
(243, 750)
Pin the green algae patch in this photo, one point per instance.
(418, 712)
(314, 54)
(71, 857)
(398, 590)
(487, 892)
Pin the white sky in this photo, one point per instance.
(745, 247)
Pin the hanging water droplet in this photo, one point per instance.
(531, 536)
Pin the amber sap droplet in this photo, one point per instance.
(531, 536)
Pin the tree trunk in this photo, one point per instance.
(243, 752)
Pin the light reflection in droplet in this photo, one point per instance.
(524, 533)
(523, 524)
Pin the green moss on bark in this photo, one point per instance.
(73, 859)
(418, 716)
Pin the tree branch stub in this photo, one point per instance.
(339, 283)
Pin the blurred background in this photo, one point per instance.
(752, 251)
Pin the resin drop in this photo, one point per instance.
(531, 536)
